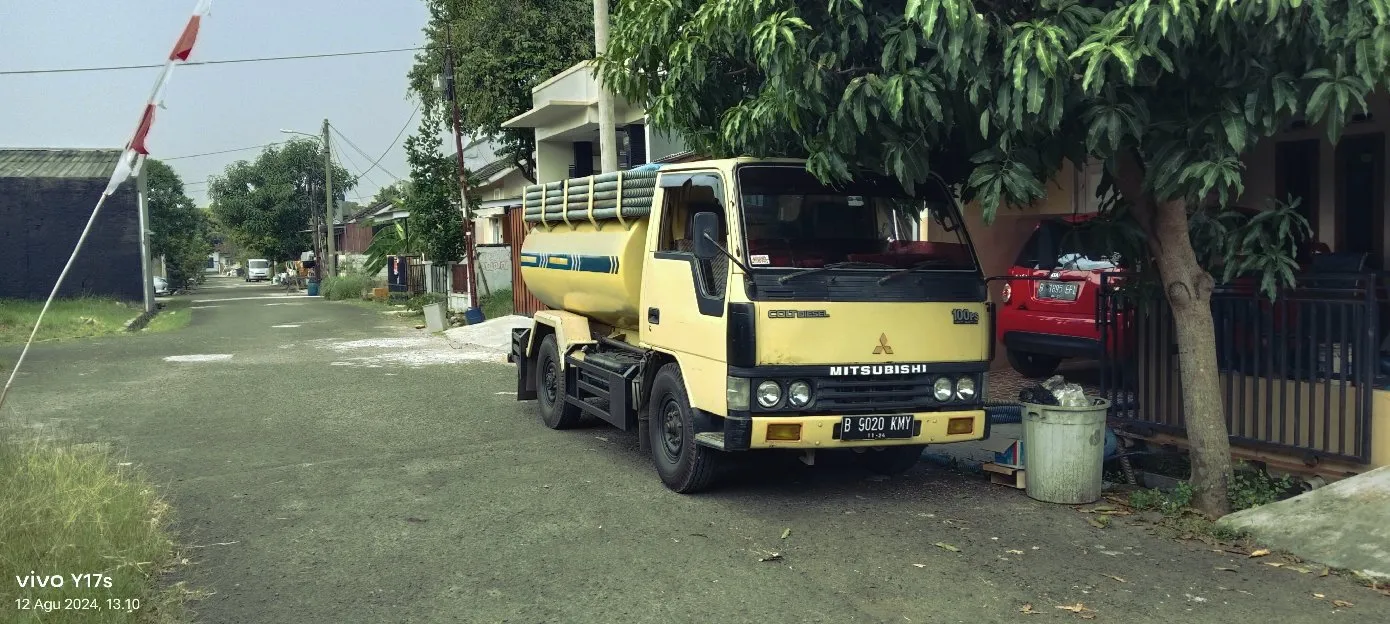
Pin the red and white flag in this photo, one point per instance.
(133, 157)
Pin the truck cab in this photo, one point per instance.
(771, 312)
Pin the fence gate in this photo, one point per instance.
(440, 276)
(1296, 374)
(522, 301)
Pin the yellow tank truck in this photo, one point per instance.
(734, 305)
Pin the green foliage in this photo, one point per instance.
(497, 303)
(995, 95)
(390, 193)
(433, 197)
(268, 204)
(179, 231)
(396, 239)
(1169, 503)
(397, 298)
(346, 287)
(418, 302)
(1252, 487)
(1266, 245)
(502, 48)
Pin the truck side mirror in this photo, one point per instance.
(704, 233)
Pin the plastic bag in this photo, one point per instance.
(1055, 391)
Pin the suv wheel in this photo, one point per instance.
(1033, 365)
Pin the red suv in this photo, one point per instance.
(1048, 318)
(1052, 316)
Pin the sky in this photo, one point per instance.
(212, 107)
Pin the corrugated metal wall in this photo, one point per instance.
(355, 239)
(514, 234)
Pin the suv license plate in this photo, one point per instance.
(1063, 291)
(876, 427)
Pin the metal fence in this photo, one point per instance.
(416, 283)
(440, 276)
(1296, 373)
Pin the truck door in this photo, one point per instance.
(683, 297)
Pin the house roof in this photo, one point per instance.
(58, 163)
(493, 168)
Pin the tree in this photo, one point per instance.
(389, 193)
(995, 95)
(502, 48)
(433, 198)
(396, 239)
(179, 232)
(268, 204)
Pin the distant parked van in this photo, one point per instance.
(257, 270)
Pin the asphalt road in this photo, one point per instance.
(327, 463)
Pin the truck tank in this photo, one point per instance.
(585, 250)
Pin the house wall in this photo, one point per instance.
(40, 221)
(1261, 173)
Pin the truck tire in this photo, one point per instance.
(1033, 365)
(683, 465)
(891, 460)
(556, 413)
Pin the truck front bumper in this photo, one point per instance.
(823, 432)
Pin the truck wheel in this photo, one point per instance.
(683, 465)
(1032, 364)
(891, 460)
(556, 413)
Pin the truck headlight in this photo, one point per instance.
(942, 389)
(799, 394)
(965, 388)
(736, 391)
(769, 393)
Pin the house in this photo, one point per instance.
(46, 198)
(564, 115)
(1304, 380)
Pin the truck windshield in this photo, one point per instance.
(259, 264)
(791, 220)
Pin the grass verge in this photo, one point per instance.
(71, 510)
(497, 303)
(83, 317)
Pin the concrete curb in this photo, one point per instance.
(139, 322)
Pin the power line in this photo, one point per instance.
(361, 175)
(239, 149)
(398, 137)
(365, 154)
(64, 70)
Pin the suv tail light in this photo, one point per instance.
(1007, 293)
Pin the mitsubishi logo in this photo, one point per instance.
(883, 348)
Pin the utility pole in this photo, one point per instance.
(328, 266)
(607, 131)
(469, 254)
(143, 204)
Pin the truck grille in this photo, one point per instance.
(882, 392)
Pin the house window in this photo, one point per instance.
(496, 236)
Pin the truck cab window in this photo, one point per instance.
(701, 193)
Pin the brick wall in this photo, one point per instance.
(40, 220)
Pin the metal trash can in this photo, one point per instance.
(1064, 451)
(313, 288)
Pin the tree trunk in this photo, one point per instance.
(1187, 287)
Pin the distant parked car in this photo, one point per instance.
(257, 270)
(161, 286)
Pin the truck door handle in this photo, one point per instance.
(654, 316)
